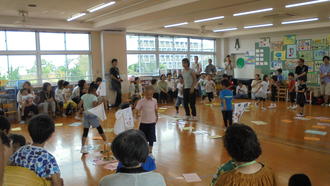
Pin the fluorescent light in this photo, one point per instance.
(254, 12)
(100, 6)
(258, 26)
(174, 25)
(306, 3)
(300, 21)
(225, 30)
(76, 16)
(209, 19)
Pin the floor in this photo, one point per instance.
(179, 151)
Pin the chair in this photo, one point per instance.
(14, 176)
(282, 93)
(9, 109)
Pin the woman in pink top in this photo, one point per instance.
(147, 107)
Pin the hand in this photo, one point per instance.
(192, 90)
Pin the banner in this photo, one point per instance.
(239, 109)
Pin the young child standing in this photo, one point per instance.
(201, 84)
(301, 99)
(226, 99)
(90, 101)
(179, 99)
(59, 96)
(101, 92)
(163, 87)
(292, 91)
(209, 87)
(149, 115)
(274, 88)
(261, 93)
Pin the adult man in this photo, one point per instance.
(210, 68)
(325, 80)
(116, 81)
(196, 66)
(301, 70)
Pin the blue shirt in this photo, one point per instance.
(325, 69)
(280, 77)
(149, 165)
(227, 97)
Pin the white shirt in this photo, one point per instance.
(254, 83)
(229, 69)
(263, 89)
(59, 95)
(180, 89)
(75, 92)
(67, 93)
(133, 179)
(209, 86)
(201, 83)
(197, 67)
(171, 84)
(242, 90)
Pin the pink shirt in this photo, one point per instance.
(147, 108)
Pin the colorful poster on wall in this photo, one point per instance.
(328, 39)
(319, 44)
(307, 55)
(310, 65)
(319, 54)
(317, 65)
(279, 55)
(264, 42)
(291, 51)
(304, 44)
(291, 64)
(277, 45)
(276, 64)
(250, 60)
(289, 40)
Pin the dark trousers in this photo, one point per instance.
(163, 96)
(227, 117)
(27, 110)
(118, 98)
(210, 96)
(189, 100)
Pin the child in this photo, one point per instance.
(179, 99)
(35, 157)
(69, 106)
(59, 96)
(18, 141)
(280, 77)
(274, 88)
(4, 125)
(209, 87)
(201, 84)
(155, 86)
(241, 91)
(27, 104)
(292, 91)
(301, 99)
(231, 83)
(226, 99)
(149, 116)
(171, 86)
(261, 93)
(163, 87)
(101, 92)
(299, 180)
(90, 101)
(135, 90)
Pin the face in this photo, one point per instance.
(208, 77)
(300, 63)
(196, 59)
(49, 88)
(149, 94)
(181, 80)
(86, 86)
(26, 86)
(115, 63)
(138, 81)
(98, 83)
(169, 77)
(185, 65)
(210, 62)
(257, 77)
(326, 61)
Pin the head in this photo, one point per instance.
(186, 63)
(257, 76)
(180, 77)
(7, 144)
(82, 84)
(24, 92)
(98, 81)
(326, 60)
(169, 76)
(114, 62)
(210, 61)
(18, 141)
(149, 92)
(228, 58)
(301, 62)
(299, 180)
(27, 85)
(66, 84)
(265, 78)
(41, 127)
(130, 148)
(209, 77)
(163, 77)
(274, 78)
(92, 88)
(301, 81)
(196, 59)
(4, 125)
(203, 76)
(240, 83)
(279, 71)
(46, 87)
(225, 83)
(242, 143)
(60, 84)
(154, 81)
(137, 80)
(291, 75)
(225, 76)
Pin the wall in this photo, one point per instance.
(96, 54)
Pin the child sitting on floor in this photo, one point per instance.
(4, 125)
(27, 104)
(69, 106)
(17, 140)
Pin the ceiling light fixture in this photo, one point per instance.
(100, 6)
(225, 29)
(258, 26)
(209, 19)
(300, 21)
(306, 3)
(174, 25)
(76, 16)
(254, 12)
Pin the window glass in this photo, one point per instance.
(208, 45)
(180, 44)
(202, 59)
(147, 43)
(195, 45)
(165, 43)
(171, 61)
(2, 40)
(22, 67)
(52, 41)
(3, 67)
(17, 40)
(77, 41)
(53, 67)
(142, 64)
(132, 42)
(78, 67)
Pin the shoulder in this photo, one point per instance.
(154, 100)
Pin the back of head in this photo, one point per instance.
(279, 71)
(242, 143)
(225, 83)
(124, 105)
(149, 88)
(92, 87)
(274, 78)
(4, 124)
(299, 180)
(130, 148)
(4, 139)
(65, 83)
(136, 78)
(60, 84)
(81, 83)
(99, 79)
(153, 81)
(17, 139)
(291, 74)
(40, 128)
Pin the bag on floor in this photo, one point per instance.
(124, 120)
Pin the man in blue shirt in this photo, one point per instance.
(226, 99)
(325, 80)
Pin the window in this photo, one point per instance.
(142, 64)
(171, 61)
(2, 40)
(180, 44)
(22, 67)
(77, 42)
(208, 45)
(143, 43)
(195, 45)
(202, 59)
(3, 67)
(17, 40)
(166, 43)
(78, 67)
(52, 41)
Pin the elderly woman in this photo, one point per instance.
(131, 149)
(243, 146)
(23, 105)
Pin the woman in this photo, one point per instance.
(163, 87)
(189, 95)
(229, 67)
(255, 86)
(131, 149)
(243, 146)
(47, 99)
(32, 108)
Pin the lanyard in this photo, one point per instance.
(246, 164)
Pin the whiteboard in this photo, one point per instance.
(247, 72)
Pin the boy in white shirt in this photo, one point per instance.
(201, 83)
(261, 93)
(179, 99)
(209, 87)
(241, 91)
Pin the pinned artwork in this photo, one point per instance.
(264, 42)
(291, 51)
(289, 40)
(307, 55)
(279, 55)
(319, 44)
(276, 65)
(277, 45)
(319, 54)
(328, 39)
(304, 45)
(250, 60)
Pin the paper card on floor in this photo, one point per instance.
(108, 130)
(322, 118)
(16, 129)
(200, 132)
(161, 111)
(216, 104)
(324, 124)
(191, 177)
(187, 128)
(75, 124)
(97, 138)
(316, 132)
(287, 121)
(99, 112)
(215, 137)
(58, 124)
(207, 104)
(301, 118)
(319, 127)
(162, 108)
(259, 122)
(312, 138)
(111, 166)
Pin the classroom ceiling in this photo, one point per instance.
(150, 16)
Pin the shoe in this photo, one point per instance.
(294, 107)
(187, 118)
(289, 107)
(84, 149)
(300, 115)
(271, 107)
(263, 108)
(22, 122)
(77, 118)
(194, 118)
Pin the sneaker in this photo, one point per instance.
(300, 115)
(194, 118)
(294, 107)
(289, 107)
(84, 149)
(77, 118)
(263, 108)
(187, 118)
